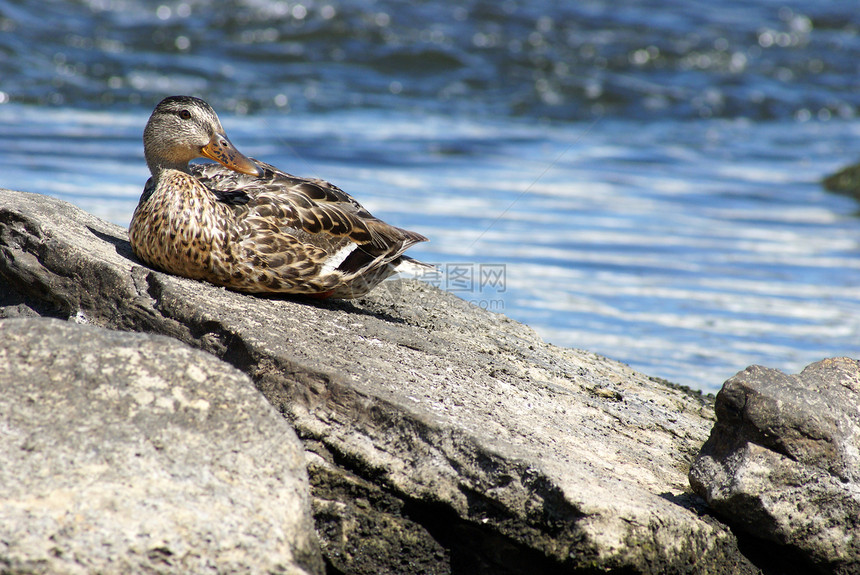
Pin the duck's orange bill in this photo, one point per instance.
(224, 152)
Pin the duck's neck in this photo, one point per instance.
(157, 167)
(166, 177)
(177, 184)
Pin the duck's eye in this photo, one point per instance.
(185, 114)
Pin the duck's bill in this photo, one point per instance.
(224, 152)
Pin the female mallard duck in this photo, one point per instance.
(246, 225)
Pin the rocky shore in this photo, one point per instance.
(157, 424)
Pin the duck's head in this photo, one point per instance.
(182, 128)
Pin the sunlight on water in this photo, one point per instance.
(686, 279)
(639, 180)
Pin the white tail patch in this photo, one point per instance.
(413, 268)
(337, 258)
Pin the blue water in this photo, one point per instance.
(639, 179)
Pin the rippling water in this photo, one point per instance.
(639, 179)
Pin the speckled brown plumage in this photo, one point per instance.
(245, 224)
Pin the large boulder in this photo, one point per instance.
(442, 438)
(133, 453)
(783, 461)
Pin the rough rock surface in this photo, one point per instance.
(783, 460)
(442, 438)
(133, 453)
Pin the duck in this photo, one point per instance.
(246, 225)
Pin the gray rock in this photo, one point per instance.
(444, 438)
(133, 453)
(783, 461)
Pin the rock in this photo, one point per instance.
(133, 453)
(783, 461)
(846, 181)
(443, 438)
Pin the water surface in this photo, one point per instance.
(639, 179)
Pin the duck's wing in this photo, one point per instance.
(312, 211)
(314, 206)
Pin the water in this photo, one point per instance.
(639, 179)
